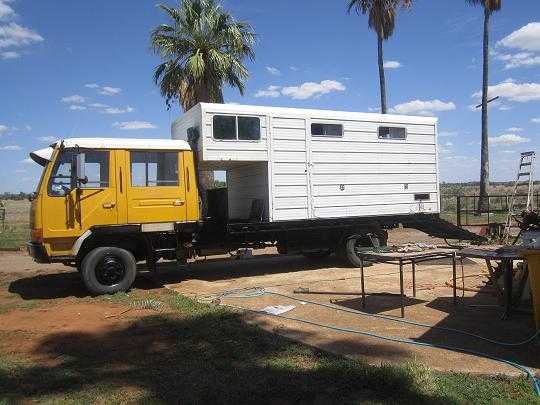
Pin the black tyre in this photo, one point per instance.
(317, 253)
(107, 270)
(351, 243)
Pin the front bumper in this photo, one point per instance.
(37, 252)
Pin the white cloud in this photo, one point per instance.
(27, 161)
(74, 99)
(77, 107)
(3, 129)
(527, 38)
(536, 120)
(448, 134)
(294, 68)
(132, 125)
(47, 138)
(117, 110)
(10, 55)
(521, 59)
(513, 91)
(99, 105)
(392, 64)
(514, 129)
(110, 91)
(311, 89)
(104, 90)
(270, 91)
(427, 107)
(21, 171)
(508, 139)
(14, 35)
(6, 12)
(10, 147)
(273, 71)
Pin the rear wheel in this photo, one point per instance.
(107, 270)
(355, 242)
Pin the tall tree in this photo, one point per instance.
(202, 48)
(382, 20)
(490, 6)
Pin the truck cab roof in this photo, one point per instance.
(42, 156)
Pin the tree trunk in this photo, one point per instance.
(483, 201)
(382, 80)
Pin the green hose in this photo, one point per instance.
(259, 292)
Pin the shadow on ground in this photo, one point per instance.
(207, 357)
(60, 285)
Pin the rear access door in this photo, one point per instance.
(289, 184)
(155, 187)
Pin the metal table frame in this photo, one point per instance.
(403, 259)
(506, 259)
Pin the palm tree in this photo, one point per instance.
(202, 49)
(381, 19)
(490, 6)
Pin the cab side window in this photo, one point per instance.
(154, 169)
(96, 170)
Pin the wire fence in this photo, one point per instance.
(462, 210)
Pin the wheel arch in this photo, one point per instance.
(129, 240)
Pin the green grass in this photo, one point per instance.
(12, 306)
(14, 231)
(205, 354)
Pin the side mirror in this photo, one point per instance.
(78, 175)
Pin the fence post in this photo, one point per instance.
(458, 210)
(488, 209)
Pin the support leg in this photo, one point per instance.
(401, 288)
(413, 263)
(508, 279)
(362, 281)
(454, 277)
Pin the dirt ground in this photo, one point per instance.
(37, 300)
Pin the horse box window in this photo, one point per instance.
(232, 128)
(326, 129)
(397, 133)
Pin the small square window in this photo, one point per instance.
(397, 133)
(249, 128)
(326, 130)
(224, 127)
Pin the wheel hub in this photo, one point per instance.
(110, 271)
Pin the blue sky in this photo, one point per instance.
(84, 68)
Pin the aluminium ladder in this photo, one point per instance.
(525, 177)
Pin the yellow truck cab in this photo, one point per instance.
(101, 202)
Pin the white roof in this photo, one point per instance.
(124, 143)
(320, 114)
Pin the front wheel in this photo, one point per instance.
(107, 270)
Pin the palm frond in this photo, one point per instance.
(202, 48)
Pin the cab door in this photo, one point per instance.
(68, 211)
(155, 189)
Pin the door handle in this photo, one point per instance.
(108, 205)
(178, 203)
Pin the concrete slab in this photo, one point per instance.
(476, 312)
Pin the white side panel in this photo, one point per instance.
(191, 118)
(362, 175)
(289, 169)
(245, 183)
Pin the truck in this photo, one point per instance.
(311, 182)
